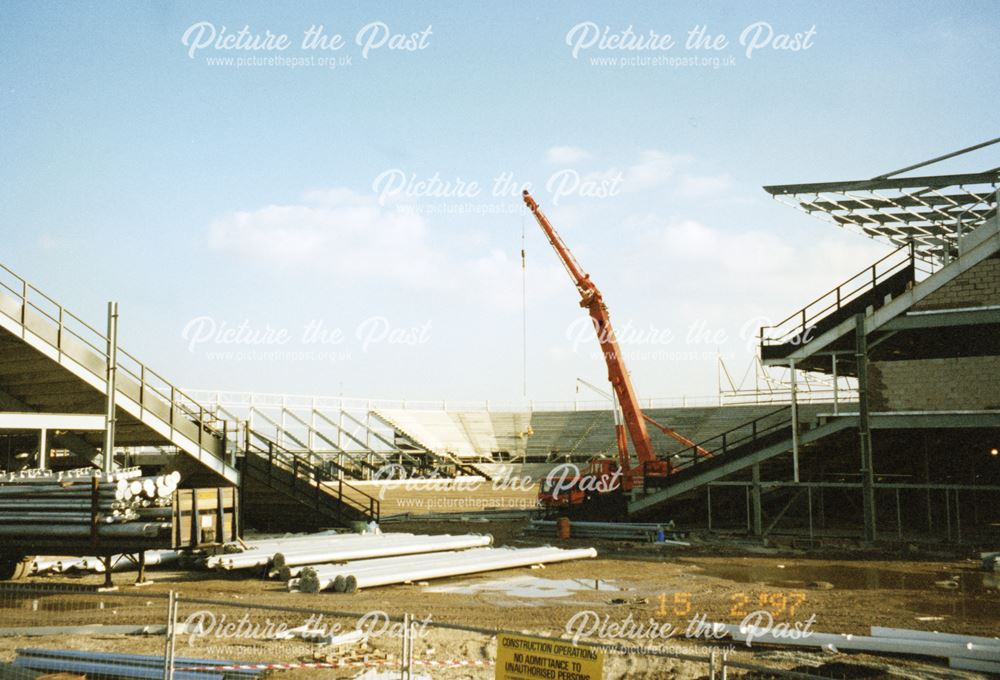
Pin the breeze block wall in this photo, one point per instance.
(978, 287)
(970, 383)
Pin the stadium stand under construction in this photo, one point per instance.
(910, 453)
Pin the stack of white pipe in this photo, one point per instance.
(259, 553)
(340, 548)
(353, 576)
(45, 503)
(276, 543)
(384, 545)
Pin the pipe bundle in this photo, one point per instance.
(122, 504)
(352, 576)
(287, 554)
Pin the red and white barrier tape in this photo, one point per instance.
(334, 664)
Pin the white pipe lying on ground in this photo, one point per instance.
(342, 547)
(260, 554)
(440, 565)
(383, 545)
(932, 636)
(860, 643)
(490, 559)
(336, 542)
(42, 565)
(319, 577)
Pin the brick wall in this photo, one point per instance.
(977, 287)
(969, 383)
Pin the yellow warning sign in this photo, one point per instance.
(529, 658)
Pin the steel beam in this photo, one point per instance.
(943, 318)
(928, 181)
(73, 422)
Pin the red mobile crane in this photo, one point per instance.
(633, 420)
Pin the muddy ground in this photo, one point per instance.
(843, 592)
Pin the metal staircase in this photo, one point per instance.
(871, 288)
(68, 360)
(284, 490)
(749, 443)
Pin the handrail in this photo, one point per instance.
(727, 441)
(62, 319)
(783, 332)
(302, 469)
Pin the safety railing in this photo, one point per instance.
(319, 482)
(264, 400)
(760, 430)
(796, 328)
(77, 340)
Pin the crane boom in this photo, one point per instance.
(593, 302)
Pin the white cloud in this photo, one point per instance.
(336, 230)
(566, 155)
(50, 243)
(732, 273)
(700, 186)
(342, 233)
(654, 168)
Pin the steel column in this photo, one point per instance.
(836, 405)
(758, 515)
(864, 431)
(108, 454)
(795, 424)
(43, 449)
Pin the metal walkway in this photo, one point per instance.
(54, 362)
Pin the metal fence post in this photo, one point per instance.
(170, 642)
(404, 662)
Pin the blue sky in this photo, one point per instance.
(204, 195)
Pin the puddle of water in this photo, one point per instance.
(527, 587)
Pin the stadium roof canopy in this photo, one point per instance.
(929, 211)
